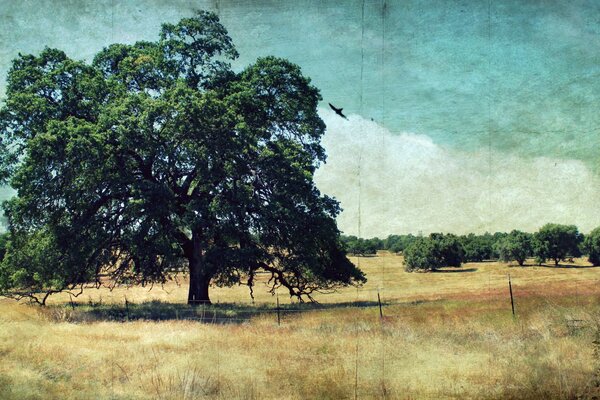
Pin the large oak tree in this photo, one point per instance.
(157, 157)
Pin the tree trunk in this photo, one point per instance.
(198, 293)
(199, 277)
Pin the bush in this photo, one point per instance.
(436, 251)
(450, 250)
(421, 255)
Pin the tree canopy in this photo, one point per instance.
(3, 240)
(556, 242)
(480, 247)
(157, 157)
(398, 243)
(361, 247)
(591, 245)
(433, 252)
(515, 246)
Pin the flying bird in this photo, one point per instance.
(338, 111)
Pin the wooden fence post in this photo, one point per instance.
(278, 313)
(512, 302)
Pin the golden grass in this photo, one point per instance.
(386, 274)
(444, 335)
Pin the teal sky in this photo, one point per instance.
(504, 89)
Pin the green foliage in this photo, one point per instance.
(516, 246)
(398, 243)
(360, 246)
(421, 255)
(158, 153)
(591, 246)
(3, 244)
(556, 242)
(450, 250)
(436, 251)
(478, 248)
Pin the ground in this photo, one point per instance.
(448, 334)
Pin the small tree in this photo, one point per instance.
(591, 246)
(556, 242)
(436, 251)
(421, 255)
(449, 248)
(497, 237)
(515, 246)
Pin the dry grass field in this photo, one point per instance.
(446, 334)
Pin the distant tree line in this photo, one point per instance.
(553, 242)
(364, 247)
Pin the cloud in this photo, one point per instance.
(400, 183)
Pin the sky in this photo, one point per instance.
(464, 116)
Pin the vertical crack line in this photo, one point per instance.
(112, 21)
(383, 95)
(361, 101)
(489, 191)
(362, 55)
(362, 67)
(489, 114)
(383, 168)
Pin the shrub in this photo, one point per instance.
(421, 255)
(436, 251)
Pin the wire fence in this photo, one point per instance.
(206, 312)
(369, 303)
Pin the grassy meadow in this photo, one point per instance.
(444, 335)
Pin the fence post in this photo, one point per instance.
(278, 313)
(512, 302)
(380, 309)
